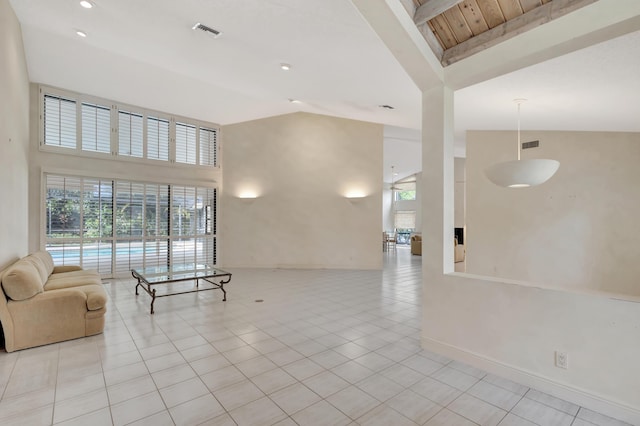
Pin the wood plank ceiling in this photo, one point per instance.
(456, 29)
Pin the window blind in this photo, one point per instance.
(157, 139)
(70, 121)
(405, 220)
(130, 134)
(208, 147)
(405, 186)
(96, 128)
(129, 209)
(97, 224)
(97, 208)
(59, 116)
(63, 202)
(113, 226)
(185, 143)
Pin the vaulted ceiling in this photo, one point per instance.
(145, 53)
(456, 29)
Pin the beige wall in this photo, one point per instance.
(14, 138)
(579, 230)
(513, 329)
(301, 166)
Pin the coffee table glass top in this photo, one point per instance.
(178, 272)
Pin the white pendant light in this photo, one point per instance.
(521, 173)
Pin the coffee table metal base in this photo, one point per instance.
(147, 286)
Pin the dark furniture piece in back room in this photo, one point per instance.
(459, 234)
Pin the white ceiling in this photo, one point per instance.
(145, 53)
(593, 89)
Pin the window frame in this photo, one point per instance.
(396, 194)
(114, 239)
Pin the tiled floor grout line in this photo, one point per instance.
(104, 379)
(308, 313)
(157, 390)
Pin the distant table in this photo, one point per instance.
(404, 237)
(213, 278)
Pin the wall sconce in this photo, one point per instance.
(355, 196)
(248, 194)
(354, 192)
(247, 200)
(356, 200)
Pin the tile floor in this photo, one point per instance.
(324, 348)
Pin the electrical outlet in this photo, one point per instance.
(562, 360)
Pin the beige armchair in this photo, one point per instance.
(41, 303)
(459, 251)
(416, 245)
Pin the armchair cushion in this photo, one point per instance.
(22, 281)
(46, 259)
(40, 266)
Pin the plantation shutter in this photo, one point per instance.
(130, 134)
(97, 225)
(157, 138)
(208, 147)
(96, 128)
(59, 116)
(185, 143)
(63, 206)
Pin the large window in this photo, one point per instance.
(100, 127)
(115, 225)
(405, 190)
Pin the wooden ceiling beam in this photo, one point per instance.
(432, 40)
(432, 8)
(535, 17)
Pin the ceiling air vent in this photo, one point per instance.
(206, 29)
(532, 144)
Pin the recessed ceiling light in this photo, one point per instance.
(86, 4)
(294, 101)
(285, 67)
(81, 33)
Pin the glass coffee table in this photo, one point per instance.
(211, 279)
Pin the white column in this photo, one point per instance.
(437, 182)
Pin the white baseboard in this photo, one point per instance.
(559, 390)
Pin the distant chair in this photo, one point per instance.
(388, 240)
(416, 244)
